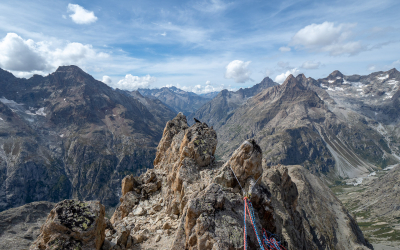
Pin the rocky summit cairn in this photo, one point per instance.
(191, 201)
(73, 224)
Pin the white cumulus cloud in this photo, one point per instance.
(20, 55)
(282, 77)
(74, 53)
(23, 56)
(238, 71)
(326, 37)
(81, 15)
(285, 49)
(131, 82)
(107, 80)
(310, 65)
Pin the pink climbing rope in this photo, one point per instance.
(267, 243)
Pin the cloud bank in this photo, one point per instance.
(17, 54)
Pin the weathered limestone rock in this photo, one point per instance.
(144, 186)
(167, 148)
(198, 203)
(73, 224)
(128, 201)
(127, 184)
(246, 161)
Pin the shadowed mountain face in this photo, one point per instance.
(300, 122)
(217, 111)
(68, 135)
(178, 100)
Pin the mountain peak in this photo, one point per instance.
(301, 78)
(69, 68)
(74, 72)
(393, 71)
(290, 81)
(336, 73)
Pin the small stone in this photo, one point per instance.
(107, 245)
(139, 211)
(139, 238)
(129, 242)
(158, 238)
(157, 207)
(166, 226)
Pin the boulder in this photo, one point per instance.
(246, 161)
(73, 224)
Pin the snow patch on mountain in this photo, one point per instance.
(382, 77)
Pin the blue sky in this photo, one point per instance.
(202, 45)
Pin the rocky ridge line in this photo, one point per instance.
(191, 201)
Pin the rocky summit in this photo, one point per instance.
(68, 135)
(191, 201)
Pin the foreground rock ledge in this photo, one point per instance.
(191, 201)
(73, 224)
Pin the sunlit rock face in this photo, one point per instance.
(198, 203)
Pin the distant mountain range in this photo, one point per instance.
(216, 111)
(68, 135)
(178, 100)
(339, 126)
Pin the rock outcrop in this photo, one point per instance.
(191, 201)
(73, 224)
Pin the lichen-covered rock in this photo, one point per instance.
(73, 224)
